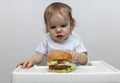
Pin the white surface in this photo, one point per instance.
(98, 71)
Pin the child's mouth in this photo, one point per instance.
(59, 36)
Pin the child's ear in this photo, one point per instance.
(71, 28)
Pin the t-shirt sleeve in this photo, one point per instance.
(42, 47)
(80, 47)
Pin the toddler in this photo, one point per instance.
(59, 26)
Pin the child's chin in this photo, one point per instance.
(58, 40)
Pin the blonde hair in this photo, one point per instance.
(61, 8)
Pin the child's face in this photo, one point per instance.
(59, 28)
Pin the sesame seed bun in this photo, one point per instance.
(59, 55)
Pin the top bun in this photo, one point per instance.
(59, 55)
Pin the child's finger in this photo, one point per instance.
(25, 64)
(30, 64)
(20, 63)
(74, 56)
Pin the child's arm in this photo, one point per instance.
(81, 58)
(35, 59)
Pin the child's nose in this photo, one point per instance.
(58, 29)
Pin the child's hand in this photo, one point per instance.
(74, 56)
(26, 63)
(81, 58)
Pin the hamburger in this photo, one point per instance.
(60, 62)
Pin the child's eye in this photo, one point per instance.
(64, 25)
(53, 27)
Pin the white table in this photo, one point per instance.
(98, 71)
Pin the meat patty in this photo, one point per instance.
(58, 67)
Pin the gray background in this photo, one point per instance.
(22, 27)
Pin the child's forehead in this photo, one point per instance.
(58, 19)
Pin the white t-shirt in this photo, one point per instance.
(72, 43)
